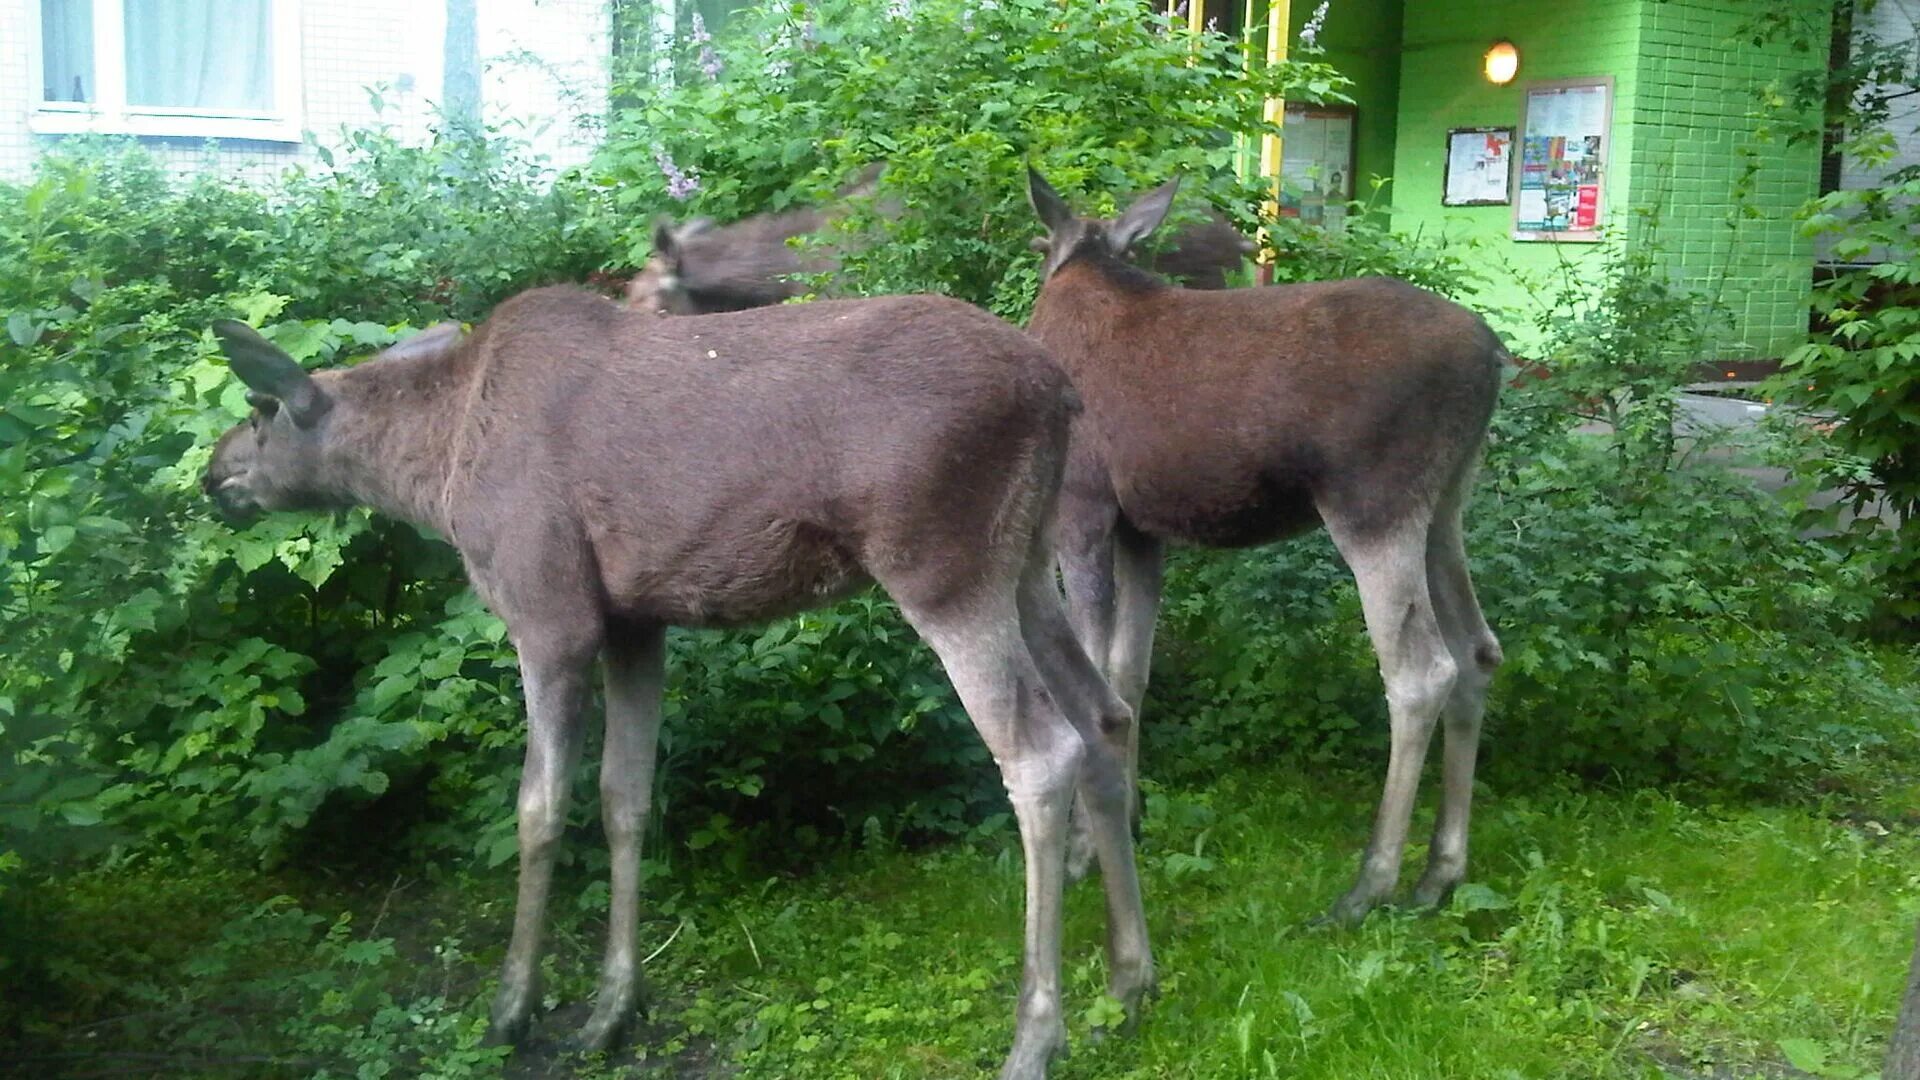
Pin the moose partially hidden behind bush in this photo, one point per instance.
(606, 474)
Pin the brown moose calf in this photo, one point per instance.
(606, 474)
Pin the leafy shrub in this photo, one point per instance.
(148, 646)
(957, 97)
(1857, 373)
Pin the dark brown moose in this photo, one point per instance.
(700, 267)
(606, 474)
(1245, 416)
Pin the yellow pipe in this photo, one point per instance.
(1278, 16)
(1197, 15)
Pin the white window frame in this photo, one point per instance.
(110, 113)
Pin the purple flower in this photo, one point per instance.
(1310, 33)
(709, 60)
(680, 186)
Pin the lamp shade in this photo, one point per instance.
(1501, 63)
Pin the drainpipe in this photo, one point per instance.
(460, 91)
(1278, 16)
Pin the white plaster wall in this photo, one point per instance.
(544, 72)
(544, 68)
(1893, 22)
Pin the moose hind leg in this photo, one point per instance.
(1139, 571)
(556, 687)
(1476, 653)
(636, 668)
(1390, 568)
(1039, 756)
(1105, 725)
(1083, 536)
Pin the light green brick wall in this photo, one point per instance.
(1441, 87)
(1685, 109)
(1693, 139)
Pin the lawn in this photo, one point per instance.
(1603, 934)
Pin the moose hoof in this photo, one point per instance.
(1031, 1057)
(508, 1031)
(1434, 890)
(1351, 909)
(609, 1025)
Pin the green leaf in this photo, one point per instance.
(1473, 896)
(23, 330)
(1805, 1055)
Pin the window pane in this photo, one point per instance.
(66, 50)
(215, 54)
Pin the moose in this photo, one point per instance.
(702, 268)
(605, 475)
(1245, 416)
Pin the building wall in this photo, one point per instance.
(1362, 39)
(1441, 87)
(1893, 23)
(1714, 201)
(544, 66)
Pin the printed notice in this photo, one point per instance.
(1563, 146)
(1478, 165)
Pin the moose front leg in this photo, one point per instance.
(556, 687)
(636, 669)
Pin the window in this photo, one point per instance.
(197, 68)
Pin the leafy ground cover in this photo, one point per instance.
(1604, 934)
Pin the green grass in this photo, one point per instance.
(1602, 935)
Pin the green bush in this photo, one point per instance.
(957, 97)
(167, 679)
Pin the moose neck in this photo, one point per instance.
(391, 443)
(1089, 298)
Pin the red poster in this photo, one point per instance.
(1586, 207)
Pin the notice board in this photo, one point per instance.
(1316, 167)
(1478, 167)
(1561, 188)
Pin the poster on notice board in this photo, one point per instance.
(1478, 163)
(1563, 160)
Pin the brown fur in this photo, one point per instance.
(605, 474)
(1245, 416)
(702, 268)
(529, 427)
(1224, 418)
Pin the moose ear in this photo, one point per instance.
(1053, 210)
(665, 238)
(267, 369)
(1144, 216)
(435, 339)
